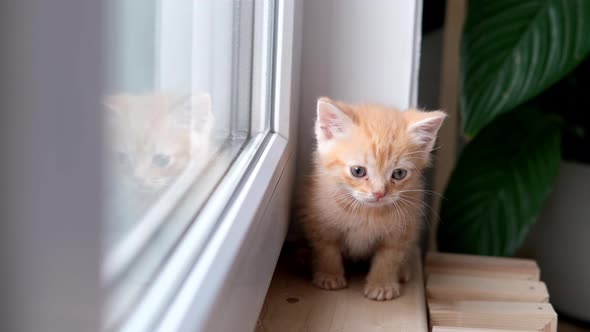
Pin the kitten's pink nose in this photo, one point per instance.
(378, 194)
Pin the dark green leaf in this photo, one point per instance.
(512, 50)
(500, 183)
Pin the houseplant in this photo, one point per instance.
(520, 68)
(525, 107)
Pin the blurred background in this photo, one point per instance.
(513, 164)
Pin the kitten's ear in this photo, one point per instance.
(114, 104)
(424, 127)
(202, 119)
(332, 122)
(195, 112)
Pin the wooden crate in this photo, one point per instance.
(448, 287)
(477, 293)
(480, 266)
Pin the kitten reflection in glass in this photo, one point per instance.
(154, 138)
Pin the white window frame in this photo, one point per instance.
(229, 282)
(241, 248)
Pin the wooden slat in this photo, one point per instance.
(482, 266)
(448, 287)
(494, 315)
(471, 329)
(446, 155)
(294, 304)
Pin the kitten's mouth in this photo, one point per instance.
(370, 201)
(376, 202)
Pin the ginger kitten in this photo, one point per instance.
(365, 197)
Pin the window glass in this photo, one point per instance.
(188, 87)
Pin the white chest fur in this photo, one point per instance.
(359, 236)
(359, 245)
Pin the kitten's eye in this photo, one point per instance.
(358, 171)
(161, 160)
(399, 173)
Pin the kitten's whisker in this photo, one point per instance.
(432, 155)
(415, 170)
(408, 215)
(398, 213)
(414, 152)
(357, 206)
(428, 159)
(425, 191)
(419, 158)
(419, 207)
(421, 151)
(424, 204)
(348, 201)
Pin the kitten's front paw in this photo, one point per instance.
(382, 292)
(329, 281)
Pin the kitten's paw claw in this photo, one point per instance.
(405, 275)
(381, 292)
(329, 281)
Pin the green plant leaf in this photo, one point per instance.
(500, 183)
(512, 50)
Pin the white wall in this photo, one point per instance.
(357, 51)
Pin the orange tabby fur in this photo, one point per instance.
(345, 215)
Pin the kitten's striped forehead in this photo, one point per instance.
(383, 132)
(382, 154)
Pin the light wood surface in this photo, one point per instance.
(494, 315)
(294, 304)
(482, 266)
(448, 287)
(465, 293)
(449, 102)
(471, 329)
